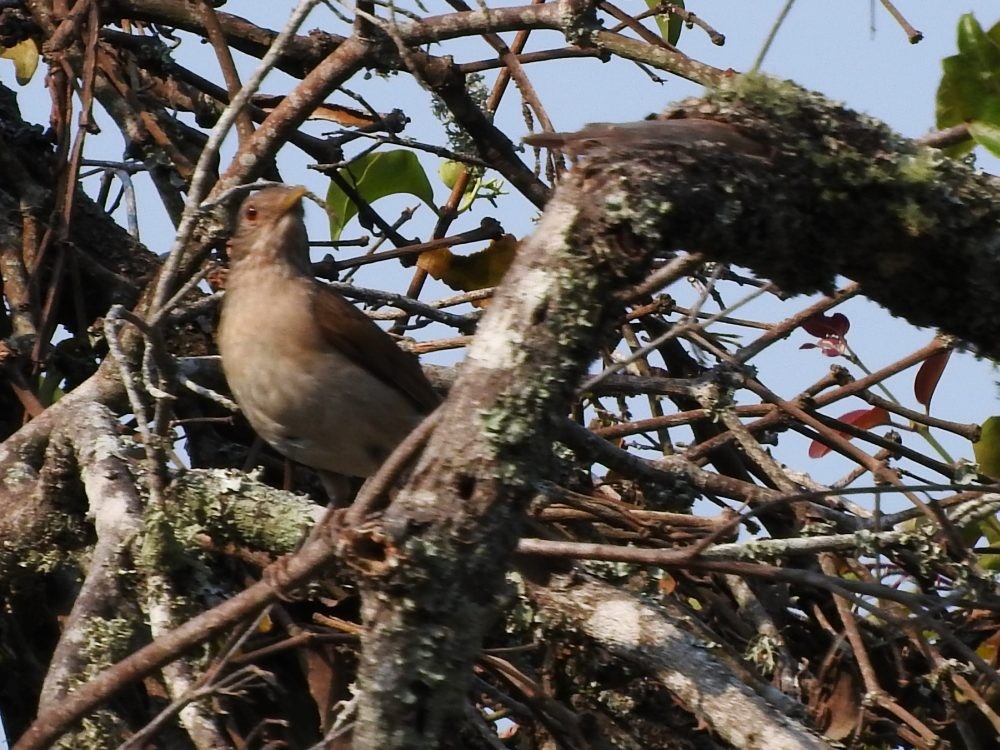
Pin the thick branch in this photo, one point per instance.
(802, 191)
(638, 633)
(435, 573)
(115, 506)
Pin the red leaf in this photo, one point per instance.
(863, 419)
(822, 326)
(928, 376)
(817, 449)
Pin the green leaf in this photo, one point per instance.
(959, 92)
(373, 176)
(986, 128)
(976, 45)
(969, 91)
(675, 26)
(989, 528)
(987, 448)
(670, 26)
(450, 172)
(986, 135)
(48, 387)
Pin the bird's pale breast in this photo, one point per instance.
(309, 401)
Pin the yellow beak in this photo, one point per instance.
(292, 199)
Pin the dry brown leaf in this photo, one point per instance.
(466, 273)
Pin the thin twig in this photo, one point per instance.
(198, 188)
(771, 36)
(912, 34)
(682, 266)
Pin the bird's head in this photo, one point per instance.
(270, 227)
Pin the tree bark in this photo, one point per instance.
(648, 641)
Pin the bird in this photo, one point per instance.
(315, 377)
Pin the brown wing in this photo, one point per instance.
(352, 333)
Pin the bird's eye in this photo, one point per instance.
(250, 213)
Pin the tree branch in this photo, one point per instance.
(645, 638)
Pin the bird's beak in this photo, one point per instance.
(292, 199)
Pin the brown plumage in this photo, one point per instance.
(647, 134)
(315, 377)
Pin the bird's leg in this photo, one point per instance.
(339, 490)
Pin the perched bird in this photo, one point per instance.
(316, 378)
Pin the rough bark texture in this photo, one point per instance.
(648, 642)
(836, 193)
(436, 581)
